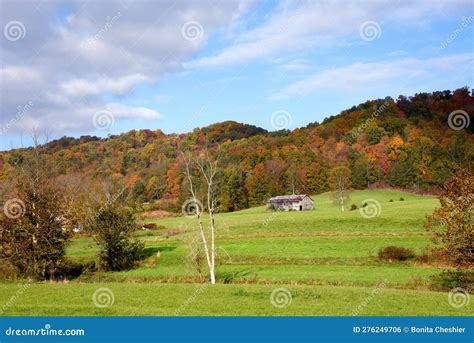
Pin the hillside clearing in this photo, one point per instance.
(326, 259)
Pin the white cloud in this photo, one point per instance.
(126, 112)
(295, 26)
(77, 54)
(13, 73)
(117, 86)
(359, 76)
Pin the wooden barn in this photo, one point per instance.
(295, 202)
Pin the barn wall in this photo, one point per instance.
(307, 204)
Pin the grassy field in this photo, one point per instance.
(326, 259)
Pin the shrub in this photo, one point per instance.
(393, 253)
(401, 199)
(449, 279)
(431, 255)
(272, 207)
(7, 270)
(391, 200)
(112, 227)
(196, 257)
(353, 207)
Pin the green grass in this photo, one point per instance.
(225, 300)
(326, 258)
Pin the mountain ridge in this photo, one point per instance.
(405, 142)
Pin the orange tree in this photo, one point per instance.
(451, 224)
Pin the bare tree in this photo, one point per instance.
(208, 168)
(340, 180)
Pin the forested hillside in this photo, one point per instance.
(406, 142)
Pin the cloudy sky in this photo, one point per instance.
(104, 67)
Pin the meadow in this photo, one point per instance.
(325, 261)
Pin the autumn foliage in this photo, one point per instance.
(451, 225)
(405, 142)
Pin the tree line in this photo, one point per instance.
(404, 142)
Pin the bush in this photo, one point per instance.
(431, 255)
(7, 270)
(449, 279)
(112, 227)
(401, 199)
(272, 207)
(391, 200)
(393, 253)
(353, 207)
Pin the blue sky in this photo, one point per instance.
(77, 68)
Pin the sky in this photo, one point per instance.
(104, 67)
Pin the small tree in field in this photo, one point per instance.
(207, 168)
(112, 226)
(340, 181)
(451, 225)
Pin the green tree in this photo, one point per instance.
(257, 185)
(112, 227)
(360, 173)
(373, 134)
(234, 197)
(317, 178)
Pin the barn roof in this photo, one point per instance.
(288, 198)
